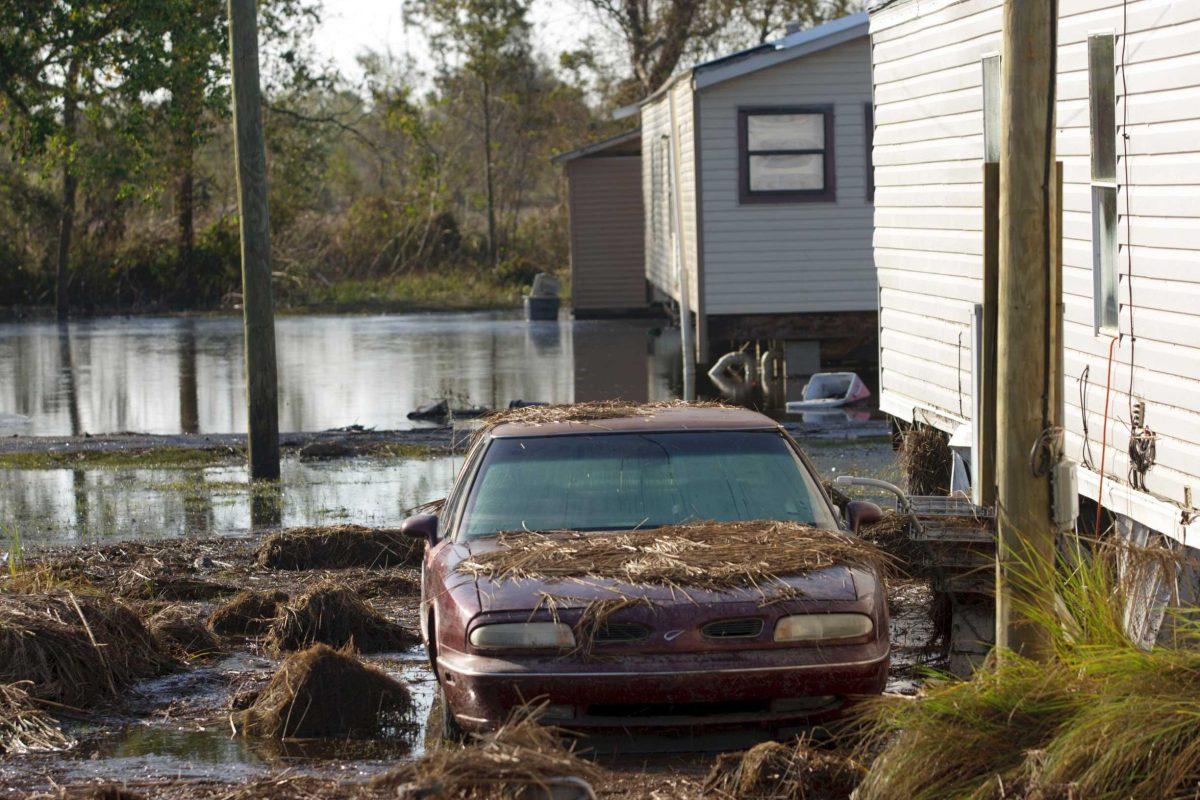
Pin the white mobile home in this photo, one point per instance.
(770, 151)
(1128, 134)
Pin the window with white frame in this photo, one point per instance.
(786, 154)
(1102, 96)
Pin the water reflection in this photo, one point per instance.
(65, 506)
(185, 375)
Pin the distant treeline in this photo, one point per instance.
(116, 163)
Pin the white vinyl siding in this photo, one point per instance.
(928, 236)
(657, 182)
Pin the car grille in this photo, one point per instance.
(746, 628)
(617, 632)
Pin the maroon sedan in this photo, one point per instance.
(711, 658)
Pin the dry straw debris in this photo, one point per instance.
(338, 547)
(926, 460)
(777, 771)
(183, 632)
(334, 615)
(585, 412)
(73, 649)
(715, 556)
(515, 761)
(247, 613)
(322, 693)
(24, 727)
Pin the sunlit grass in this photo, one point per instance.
(1102, 718)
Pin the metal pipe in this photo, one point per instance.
(686, 331)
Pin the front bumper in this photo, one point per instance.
(766, 687)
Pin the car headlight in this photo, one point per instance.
(523, 636)
(822, 627)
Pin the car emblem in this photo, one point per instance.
(671, 636)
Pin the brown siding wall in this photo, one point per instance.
(607, 239)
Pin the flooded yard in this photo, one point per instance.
(184, 375)
(203, 520)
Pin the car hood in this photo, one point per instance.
(833, 583)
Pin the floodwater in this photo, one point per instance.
(76, 506)
(184, 375)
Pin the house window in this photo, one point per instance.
(786, 154)
(1102, 97)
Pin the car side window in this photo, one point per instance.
(448, 518)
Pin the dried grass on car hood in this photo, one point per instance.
(712, 556)
(513, 762)
(586, 412)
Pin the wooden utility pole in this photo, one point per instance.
(259, 312)
(1027, 432)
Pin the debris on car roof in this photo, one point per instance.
(585, 412)
(714, 556)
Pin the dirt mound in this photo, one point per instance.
(334, 615)
(73, 650)
(705, 555)
(182, 631)
(24, 727)
(519, 758)
(323, 693)
(247, 613)
(338, 547)
(775, 771)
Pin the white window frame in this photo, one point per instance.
(1102, 106)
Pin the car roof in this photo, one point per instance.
(660, 420)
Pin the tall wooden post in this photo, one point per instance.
(1026, 361)
(261, 390)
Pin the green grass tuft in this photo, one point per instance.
(143, 458)
(1102, 718)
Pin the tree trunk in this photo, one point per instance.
(489, 178)
(70, 186)
(185, 206)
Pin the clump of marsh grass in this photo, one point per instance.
(522, 759)
(338, 547)
(325, 693)
(1101, 718)
(926, 460)
(74, 650)
(778, 771)
(334, 615)
(248, 613)
(183, 632)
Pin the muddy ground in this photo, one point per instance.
(170, 736)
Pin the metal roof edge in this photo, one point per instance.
(793, 46)
(596, 147)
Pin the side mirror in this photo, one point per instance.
(860, 512)
(421, 526)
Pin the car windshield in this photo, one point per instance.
(620, 481)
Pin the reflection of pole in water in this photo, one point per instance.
(266, 505)
(79, 489)
(189, 399)
(66, 369)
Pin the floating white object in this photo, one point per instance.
(830, 390)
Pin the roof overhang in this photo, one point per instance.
(789, 48)
(598, 147)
